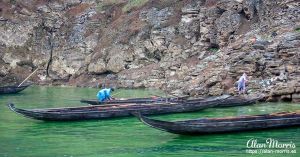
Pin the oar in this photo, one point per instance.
(28, 77)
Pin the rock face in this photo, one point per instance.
(184, 47)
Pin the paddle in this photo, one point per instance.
(28, 77)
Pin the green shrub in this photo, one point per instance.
(297, 29)
(213, 49)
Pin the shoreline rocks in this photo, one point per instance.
(188, 47)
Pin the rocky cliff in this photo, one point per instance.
(193, 47)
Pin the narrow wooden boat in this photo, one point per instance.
(232, 101)
(227, 124)
(112, 111)
(134, 100)
(124, 101)
(242, 100)
(12, 89)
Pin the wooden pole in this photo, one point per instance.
(28, 77)
(117, 93)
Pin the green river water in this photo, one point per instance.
(125, 137)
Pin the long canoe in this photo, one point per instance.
(242, 100)
(12, 89)
(232, 101)
(227, 124)
(134, 100)
(125, 101)
(112, 111)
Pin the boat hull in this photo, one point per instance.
(230, 102)
(131, 100)
(113, 111)
(12, 89)
(224, 125)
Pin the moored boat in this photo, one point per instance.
(242, 100)
(133, 100)
(227, 124)
(112, 111)
(12, 89)
(231, 101)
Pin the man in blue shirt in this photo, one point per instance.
(104, 94)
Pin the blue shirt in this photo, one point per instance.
(104, 94)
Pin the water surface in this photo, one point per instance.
(124, 137)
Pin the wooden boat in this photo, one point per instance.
(229, 102)
(12, 89)
(227, 124)
(131, 100)
(112, 111)
(242, 100)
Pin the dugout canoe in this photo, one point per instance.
(232, 101)
(223, 125)
(124, 101)
(12, 89)
(242, 100)
(113, 111)
(135, 100)
(229, 102)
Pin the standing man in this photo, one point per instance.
(242, 84)
(104, 94)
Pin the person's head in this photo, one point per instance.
(244, 74)
(112, 89)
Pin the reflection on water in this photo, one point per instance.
(124, 137)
